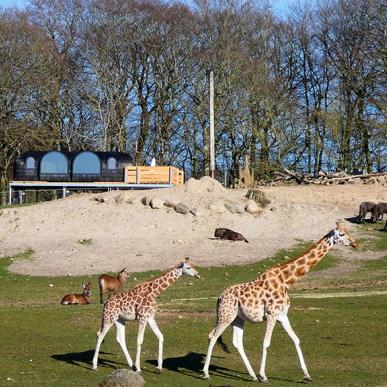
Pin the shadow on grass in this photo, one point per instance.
(192, 365)
(355, 219)
(83, 359)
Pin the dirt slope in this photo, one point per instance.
(125, 233)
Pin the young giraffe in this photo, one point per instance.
(139, 303)
(266, 298)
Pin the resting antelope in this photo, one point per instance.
(74, 299)
(107, 282)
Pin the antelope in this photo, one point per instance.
(107, 282)
(74, 299)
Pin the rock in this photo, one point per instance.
(258, 196)
(169, 204)
(145, 200)
(218, 207)
(181, 208)
(252, 207)
(235, 208)
(195, 212)
(123, 378)
(156, 203)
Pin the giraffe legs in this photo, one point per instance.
(140, 339)
(153, 325)
(213, 336)
(100, 337)
(285, 323)
(266, 344)
(237, 341)
(120, 325)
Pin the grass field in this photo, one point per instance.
(344, 339)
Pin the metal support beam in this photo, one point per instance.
(10, 195)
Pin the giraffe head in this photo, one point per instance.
(341, 236)
(187, 268)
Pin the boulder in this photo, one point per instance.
(252, 207)
(156, 203)
(195, 212)
(181, 208)
(169, 204)
(235, 208)
(123, 378)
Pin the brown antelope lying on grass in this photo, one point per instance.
(74, 299)
(107, 282)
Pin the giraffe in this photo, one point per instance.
(266, 298)
(139, 303)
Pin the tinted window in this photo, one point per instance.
(30, 163)
(111, 163)
(54, 162)
(87, 163)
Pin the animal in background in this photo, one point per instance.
(266, 299)
(380, 209)
(364, 208)
(111, 284)
(139, 303)
(227, 234)
(82, 299)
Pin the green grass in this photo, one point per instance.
(46, 344)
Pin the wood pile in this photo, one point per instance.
(287, 176)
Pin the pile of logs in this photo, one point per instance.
(287, 176)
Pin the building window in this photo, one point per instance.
(111, 163)
(54, 163)
(30, 163)
(87, 163)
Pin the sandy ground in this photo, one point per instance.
(125, 233)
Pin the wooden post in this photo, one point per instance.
(170, 177)
(10, 195)
(212, 125)
(137, 175)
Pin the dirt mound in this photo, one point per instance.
(123, 232)
(206, 185)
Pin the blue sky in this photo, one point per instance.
(280, 7)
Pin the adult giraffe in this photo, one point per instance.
(139, 303)
(266, 298)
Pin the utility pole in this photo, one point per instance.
(212, 135)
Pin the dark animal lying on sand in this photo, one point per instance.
(227, 234)
(364, 208)
(380, 209)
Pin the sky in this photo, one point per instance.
(280, 7)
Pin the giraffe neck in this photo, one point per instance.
(164, 281)
(291, 271)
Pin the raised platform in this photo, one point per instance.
(65, 186)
